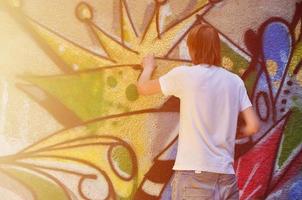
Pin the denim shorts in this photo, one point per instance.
(188, 185)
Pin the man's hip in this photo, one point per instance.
(189, 185)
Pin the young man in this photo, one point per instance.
(211, 99)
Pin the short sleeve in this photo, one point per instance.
(244, 101)
(171, 82)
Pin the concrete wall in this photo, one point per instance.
(72, 125)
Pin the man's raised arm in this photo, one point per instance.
(145, 85)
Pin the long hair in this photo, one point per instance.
(204, 45)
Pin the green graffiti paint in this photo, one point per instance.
(292, 135)
(111, 81)
(81, 93)
(122, 161)
(131, 92)
(115, 123)
(297, 102)
(44, 189)
(250, 81)
(239, 61)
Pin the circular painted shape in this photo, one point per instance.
(111, 81)
(83, 11)
(131, 92)
(121, 161)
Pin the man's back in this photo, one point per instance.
(211, 99)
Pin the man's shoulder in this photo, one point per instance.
(180, 69)
(233, 77)
(232, 74)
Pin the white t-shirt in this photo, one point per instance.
(210, 101)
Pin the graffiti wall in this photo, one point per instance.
(73, 126)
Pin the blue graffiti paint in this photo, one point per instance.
(277, 46)
(295, 191)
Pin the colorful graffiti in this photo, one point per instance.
(116, 144)
(272, 157)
